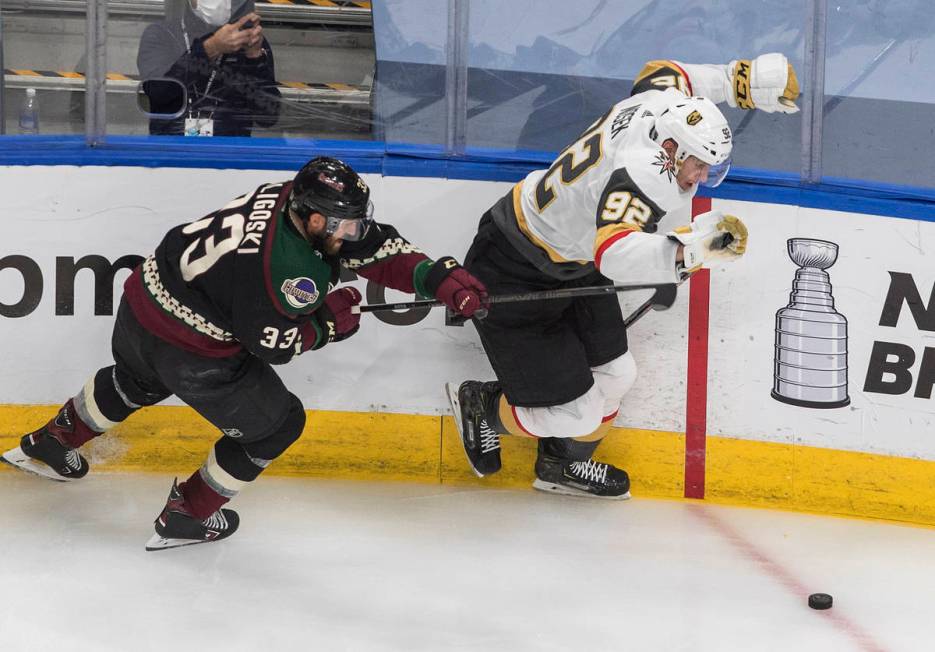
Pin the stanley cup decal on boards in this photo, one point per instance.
(810, 367)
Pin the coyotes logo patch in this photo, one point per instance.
(300, 292)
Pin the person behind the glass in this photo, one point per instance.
(219, 53)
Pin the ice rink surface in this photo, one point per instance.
(331, 565)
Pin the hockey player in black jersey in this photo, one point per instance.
(220, 301)
(606, 211)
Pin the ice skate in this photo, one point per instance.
(176, 526)
(44, 453)
(471, 404)
(587, 478)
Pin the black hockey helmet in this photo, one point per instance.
(331, 187)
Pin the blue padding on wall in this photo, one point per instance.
(181, 152)
(846, 195)
(430, 161)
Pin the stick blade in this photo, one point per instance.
(665, 296)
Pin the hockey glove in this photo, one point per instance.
(335, 318)
(712, 239)
(767, 83)
(456, 287)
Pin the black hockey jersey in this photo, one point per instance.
(243, 277)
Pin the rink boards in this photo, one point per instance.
(377, 407)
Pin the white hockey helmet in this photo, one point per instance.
(700, 130)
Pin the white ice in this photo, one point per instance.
(333, 565)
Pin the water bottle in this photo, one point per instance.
(29, 113)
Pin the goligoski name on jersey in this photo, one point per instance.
(244, 277)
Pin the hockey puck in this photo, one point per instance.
(820, 601)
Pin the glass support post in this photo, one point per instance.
(95, 91)
(456, 50)
(2, 78)
(813, 102)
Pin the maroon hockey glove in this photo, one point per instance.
(335, 317)
(456, 288)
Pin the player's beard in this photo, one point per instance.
(332, 245)
(327, 245)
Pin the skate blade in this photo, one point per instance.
(452, 390)
(157, 542)
(552, 488)
(15, 457)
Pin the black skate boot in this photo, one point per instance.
(44, 452)
(558, 474)
(176, 526)
(475, 406)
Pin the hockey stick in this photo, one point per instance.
(662, 299)
(664, 296)
(544, 295)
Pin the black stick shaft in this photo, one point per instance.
(562, 293)
(545, 295)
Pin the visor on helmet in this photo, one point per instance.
(716, 174)
(350, 229)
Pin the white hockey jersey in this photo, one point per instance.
(600, 202)
(602, 198)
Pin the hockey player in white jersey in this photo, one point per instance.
(596, 216)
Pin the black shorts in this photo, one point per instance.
(241, 395)
(542, 351)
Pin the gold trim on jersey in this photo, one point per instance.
(677, 80)
(605, 233)
(568, 170)
(509, 420)
(554, 256)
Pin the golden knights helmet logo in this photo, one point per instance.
(693, 118)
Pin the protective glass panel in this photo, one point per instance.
(879, 98)
(126, 23)
(542, 70)
(411, 40)
(43, 50)
(250, 69)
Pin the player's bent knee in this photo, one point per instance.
(275, 444)
(244, 461)
(616, 378)
(101, 404)
(576, 418)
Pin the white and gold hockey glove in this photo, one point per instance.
(767, 83)
(712, 239)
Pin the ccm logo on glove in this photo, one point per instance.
(767, 83)
(456, 287)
